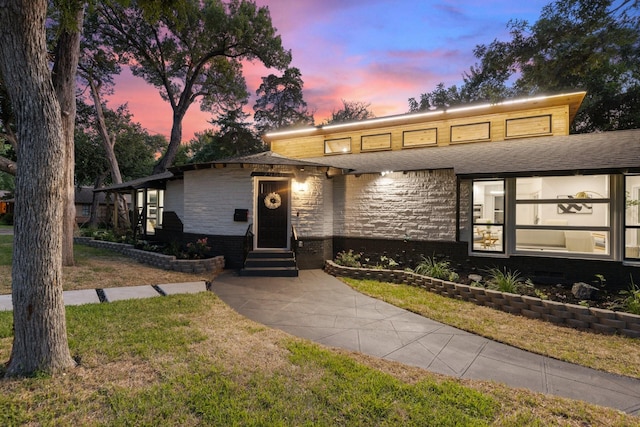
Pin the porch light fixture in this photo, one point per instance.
(300, 187)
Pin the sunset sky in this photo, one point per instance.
(377, 51)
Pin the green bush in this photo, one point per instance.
(436, 269)
(6, 219)
(504, 280)
(348, 259)
(631, 302)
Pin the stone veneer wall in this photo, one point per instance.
(213, 265)
(417, 205)
(575, 316)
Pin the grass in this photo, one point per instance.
(97, 268)
(190, 360)
(616, 354)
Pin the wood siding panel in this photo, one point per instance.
(420, 138)
(528, 126)
(376, 142)
(314, 145)
(471, 132)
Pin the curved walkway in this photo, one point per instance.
(321, 308)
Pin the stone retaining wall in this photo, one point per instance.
(167, 262)
(572, 315)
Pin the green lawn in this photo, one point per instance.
(190, 360)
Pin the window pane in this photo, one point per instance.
(558, 214)
(487, 238)
(632, 243)
(554, 187)
(575, 241)
(488, 215)
(488, 202)
(632, 190)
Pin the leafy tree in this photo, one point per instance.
(591, 45)
(193, 53)
(134, 148)
(280, 102)
(441, 97)
(351, 111)
(232, 138)
(40, 337)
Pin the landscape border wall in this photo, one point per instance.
(213, 265)
(571, 315)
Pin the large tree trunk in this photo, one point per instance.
(40, 337)
(64, 80)
(174, 142)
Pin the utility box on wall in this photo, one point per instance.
(241, 215)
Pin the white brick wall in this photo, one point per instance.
(174, 198)
(210, 198)
(416, 205)
(312, 209)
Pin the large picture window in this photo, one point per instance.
(564, 214)
(632, 217)
(488, 215)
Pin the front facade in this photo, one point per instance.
(484, 186)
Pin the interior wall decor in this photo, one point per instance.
(574, 208)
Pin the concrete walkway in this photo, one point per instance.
(91, 296)
(319, 307)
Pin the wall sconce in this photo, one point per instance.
(300, 187)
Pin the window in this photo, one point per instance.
(337, 146)
(86, 210)
(632, 217)
(564, 214)
(150, 204)
(488, 215)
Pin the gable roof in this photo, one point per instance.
(542, 155)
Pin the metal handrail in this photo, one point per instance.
(248, 241)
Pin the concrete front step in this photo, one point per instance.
(269, 262)
(270, 272)
(276, 253)
(272, 263)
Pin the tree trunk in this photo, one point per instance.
(174, 142)
(40, 337)
(109, 142)
(65, 67)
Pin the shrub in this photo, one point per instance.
(198, 249)
(348, 259)
(631, 302)
(504, 280)
(436, 269)
(6, 219)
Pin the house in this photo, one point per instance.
(484, 185)
(6, 202)
(84, 198)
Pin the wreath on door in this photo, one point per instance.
(272, 201)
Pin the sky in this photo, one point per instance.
(381, 52)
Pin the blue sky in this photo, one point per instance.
(377, 51)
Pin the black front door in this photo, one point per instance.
(273, 214)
